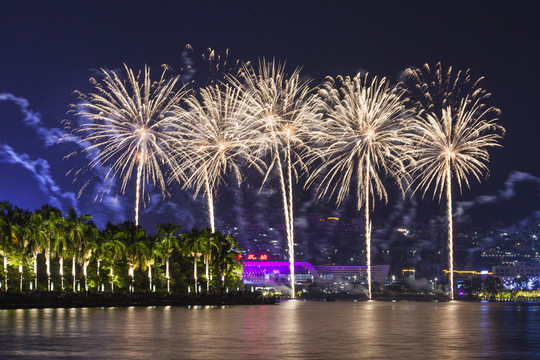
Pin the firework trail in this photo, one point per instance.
(215, 137)
(362, 137)
(285, 106)
(128, 124)
(451, 135)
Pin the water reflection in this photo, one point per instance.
(292, 330)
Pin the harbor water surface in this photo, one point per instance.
(293, 329)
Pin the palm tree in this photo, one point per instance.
(61, 247)
(89, 248)
(169, 242)
(49, 220)
(225, 254)
(134, 237)
(7, 228)
(20, 247)
(192, 246)
(154, 252)
(37, 245)
(230, 264)
(136, 255)
(21, 239)
(209, 245)
(99, 251)
(113, 250)
(77, 228)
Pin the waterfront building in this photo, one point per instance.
(518, 275)
(272, 273)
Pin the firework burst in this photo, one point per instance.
(285, 106)
(128, 126)
(215, 138)
(362, 138)
(450, 136)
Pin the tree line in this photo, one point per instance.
(47, 250)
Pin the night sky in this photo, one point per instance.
(49, 49)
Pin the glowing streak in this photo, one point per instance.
(289, 229)
(450, 227)
(210, 200)
(141, 158)
(291, 217)
(368, 227)
(196, 286)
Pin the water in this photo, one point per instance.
(291, 330)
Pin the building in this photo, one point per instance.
(271, 273)
(510, 275)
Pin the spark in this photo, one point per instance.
(362, 138)
(451, 135)
(129, 123)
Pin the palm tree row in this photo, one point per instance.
(36, 248)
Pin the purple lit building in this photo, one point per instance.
(271, 273)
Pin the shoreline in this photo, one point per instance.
(44, 300)
(57, 300)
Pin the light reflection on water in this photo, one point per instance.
(294, 330)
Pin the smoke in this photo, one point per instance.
(402, 213)
(506, 196)
(184, 211)
(285, 290)
(188, 72)
(38, 167)
(255, 216)
(33, 120)
(40, 170)
(421, 285)
(508, 192)
(353, 289)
